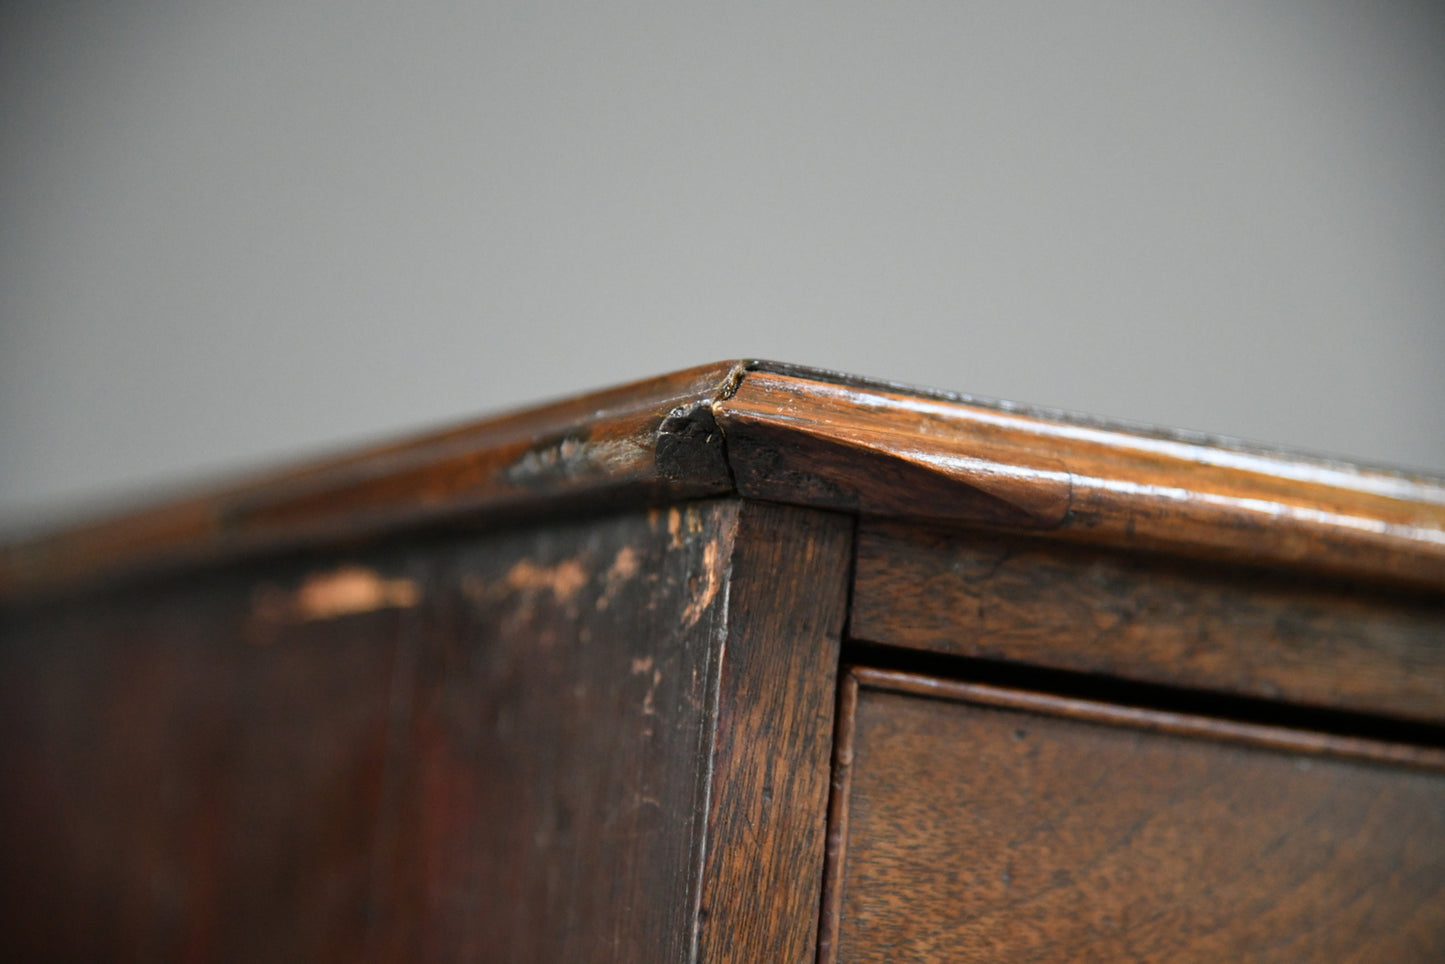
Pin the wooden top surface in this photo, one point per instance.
(795, 435)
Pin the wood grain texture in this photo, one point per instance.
(786, 434)
(799, 437)
(551, 781)
(982, 833)
(1150, 619)
(450, 749)
(767, 813)
(1282, 735)
(839, 796)
(650, 440)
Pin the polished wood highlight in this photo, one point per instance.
(1151, 618)
(886, 451)
(979, 830)
(787, 434)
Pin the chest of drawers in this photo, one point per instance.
(747, 663)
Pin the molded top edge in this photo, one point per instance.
(788, 433)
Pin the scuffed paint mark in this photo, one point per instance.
(574, 458)
(674, 526)
(641, 665)
(648, 709)
(563, 580)
(711, 582)
(347, 591)
(624, 568)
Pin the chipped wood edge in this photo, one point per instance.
(804, 437)
(649, 441)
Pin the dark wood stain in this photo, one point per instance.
(176, 789)
(551, 767)
(510, 692)
(509, 765)
(770, 763)
(1150, 619)
(982, 833)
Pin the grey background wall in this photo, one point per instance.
(236, 233)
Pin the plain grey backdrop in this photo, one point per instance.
(235, 233)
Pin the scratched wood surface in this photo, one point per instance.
(976, 832)
(1151, 619)
(453, 749)
(551, 778)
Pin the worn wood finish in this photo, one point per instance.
(982, 833)
(771, 752)
(648, 440)
(461, 750)
(504, 694)
(799, 437)
(803, 437)
(551, 778)
(1150, 619)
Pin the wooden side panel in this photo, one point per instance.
(552, 765)
(980, 833)
(1150, 619)
(770, 765)
(465, 749)
(175, 788)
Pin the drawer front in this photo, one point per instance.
(993, 825)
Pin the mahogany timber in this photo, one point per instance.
(773, 746)
(564, 685)
(887, 452)
(558, 742)
(976, 830)
(803, 437)
(173, 790)
(549, 748)
(1150, 618)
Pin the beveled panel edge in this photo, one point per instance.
(808, 437)
(1267, 735)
